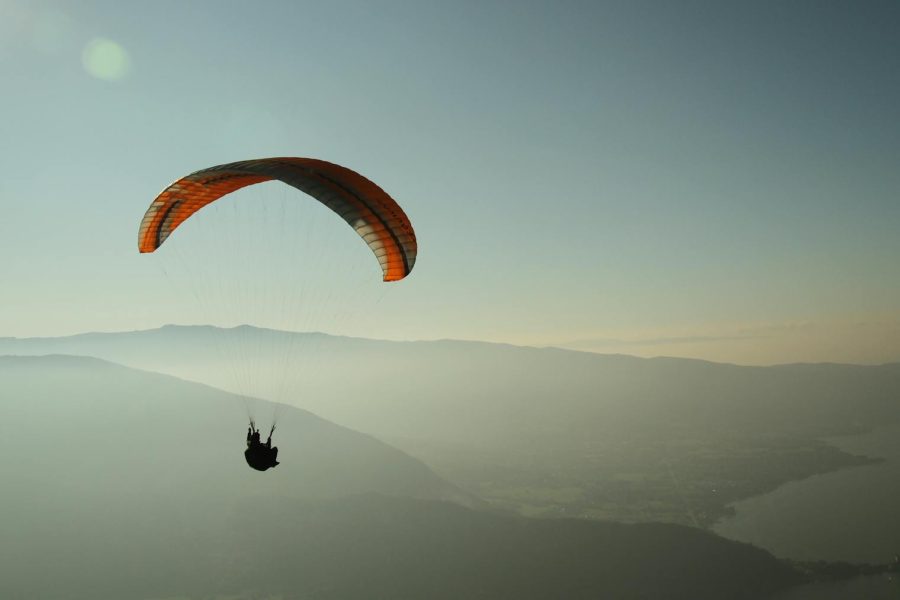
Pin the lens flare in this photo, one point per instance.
(105, 59)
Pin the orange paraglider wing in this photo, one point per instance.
(368, 209)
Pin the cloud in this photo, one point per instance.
(657, 341)
(871, 338)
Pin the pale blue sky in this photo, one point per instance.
(706, 179)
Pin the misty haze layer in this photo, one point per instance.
(121, 484)
(610, 436)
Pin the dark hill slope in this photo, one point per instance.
(391, 548)
(133, 546)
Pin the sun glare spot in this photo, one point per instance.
(105, 59)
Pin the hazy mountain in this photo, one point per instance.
(545, 431)
(462, 391)
(86, 424)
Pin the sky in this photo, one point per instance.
(707, 179)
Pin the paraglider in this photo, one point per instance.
(258, 455)
(362, 204)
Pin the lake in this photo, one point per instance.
(849, 515)
(879, 587)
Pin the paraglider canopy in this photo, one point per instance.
(368, 209)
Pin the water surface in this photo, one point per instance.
(879, 587)
(850, 515)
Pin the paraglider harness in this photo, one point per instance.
(260, 456)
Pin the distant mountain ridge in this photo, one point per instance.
(359, 382)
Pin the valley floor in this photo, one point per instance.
(690, 480)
